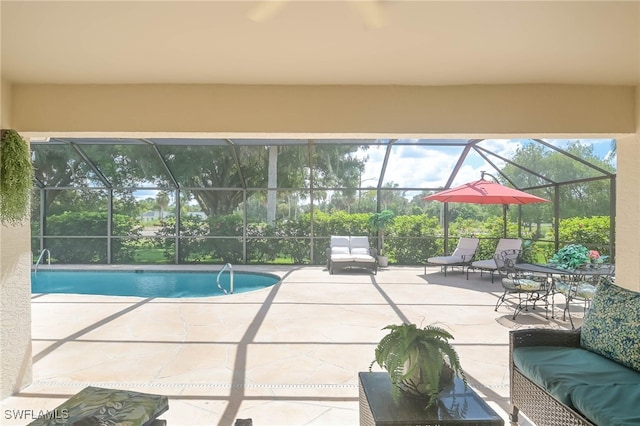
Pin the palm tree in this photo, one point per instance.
(613, 150)
(162, 201)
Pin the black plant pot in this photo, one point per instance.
(417, 388)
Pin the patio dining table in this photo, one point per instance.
(573, 275)
(551, 270)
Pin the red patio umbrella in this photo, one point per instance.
(486, 192)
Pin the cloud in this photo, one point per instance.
(428, 166)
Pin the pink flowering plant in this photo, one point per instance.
(595, 256)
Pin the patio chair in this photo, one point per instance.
(351, 252)
(462, 256)
(490, 264)
(580, 288)
(523, 288)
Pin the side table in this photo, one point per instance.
(455, 406)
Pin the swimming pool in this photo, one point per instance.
(142, 283)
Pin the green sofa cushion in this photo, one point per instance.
(560, 370)
(612, 326)
(612, 405)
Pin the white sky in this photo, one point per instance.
(413, 166)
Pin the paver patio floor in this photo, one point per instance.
(285, 355)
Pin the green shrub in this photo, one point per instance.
(592, 232)
(340, 223)
(259, 248)
(412, 239)
(193, 247)
(91, 250)
(296, 246)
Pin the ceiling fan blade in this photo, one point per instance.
(371, 12)
(265, 10)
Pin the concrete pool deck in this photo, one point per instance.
(285, 355)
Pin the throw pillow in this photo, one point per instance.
(611, 328)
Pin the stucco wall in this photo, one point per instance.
(627, 213)
(15, 291)
(5, 103)
(475, 111)
(628, 206)
(15, 308)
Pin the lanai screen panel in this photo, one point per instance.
(61, 165)
(202, 166)
(129, 165)
(419, 165)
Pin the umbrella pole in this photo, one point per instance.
(504, 219)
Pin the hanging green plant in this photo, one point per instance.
(16, 177)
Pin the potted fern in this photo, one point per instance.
(420, 361)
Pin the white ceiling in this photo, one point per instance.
(321, 42)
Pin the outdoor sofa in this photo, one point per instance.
(351, 252)
(589, 376)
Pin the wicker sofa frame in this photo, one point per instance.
(526, 396)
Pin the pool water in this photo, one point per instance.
(146, 283)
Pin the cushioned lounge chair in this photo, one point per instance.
(490, 264)
(351, 252)
(462, 256)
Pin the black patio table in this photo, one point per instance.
(550, 270)
(553, 272)
(456, 405)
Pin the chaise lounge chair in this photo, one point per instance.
(462, 256)
(351, 252)
(490, 264)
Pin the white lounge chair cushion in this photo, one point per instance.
(359, 243)
(485, 264)
(508, 244)
(342, 258)
(466, 247)
(339, 250)
(466, 252)
(446, 260)
(339, 245)
(339, 241)
(363, 258)
(463, 253)
(360, 249)
(503, 244)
